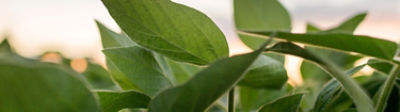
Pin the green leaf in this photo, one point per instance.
(357, 94)
(5, 47)
(331, 91)
(285, 104)
(140, 68)
(183, 71)
(350, 25)
(115, 101)
(111, 39)
(353, 43)
(31, 86)
(251, 99)
(173, 30)
(266, 72)
(98, 77)
(261, 15)
(381, 66)
(205, 87)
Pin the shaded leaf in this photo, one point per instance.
(357, 94)
(98, 77)
(381, 66)
(31, 86)
(331, 91)
(265, 72)
(285, 104)
(114, 101)
(251, 99)
(205, 87)
(140, 68)
(173, 30)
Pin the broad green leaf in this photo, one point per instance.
(31, 86)
(285, 104)
(114, 101)
(251, 99)
(110, 39)
(126, 76)
(331, 91)
(206, 86)
(140, 68)
(173, 30)
(357, 94)
(265, 72)
(261, 15)
(98, 77)
(353, 43)
(312, 28)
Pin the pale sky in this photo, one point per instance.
(37, 26)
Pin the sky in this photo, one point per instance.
(67, 26)
(37, 26)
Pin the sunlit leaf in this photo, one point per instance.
(173, 30)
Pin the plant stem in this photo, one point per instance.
(387, 88)
(231, 100)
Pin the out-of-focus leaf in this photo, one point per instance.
(285, 104)
(5, 47)
(140, 68)
(331, 91)
(357, 94)
(251, 99)
(114, 101)
(133, 110)
(381, 66)
(265, 72)
(353, 43)
(31, 86)
(350, 25)
(260, 15)
(173, 30)
(98, 77)
(312, 28)
(206, 86)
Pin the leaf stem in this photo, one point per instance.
(231, 100)
(387, 88)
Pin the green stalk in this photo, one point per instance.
(387, 88)
(231, 100)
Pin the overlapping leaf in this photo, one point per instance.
(173, 30)
(31, 86)
(206, 86)
(357, 94)
(115, 101)
(286, 104)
